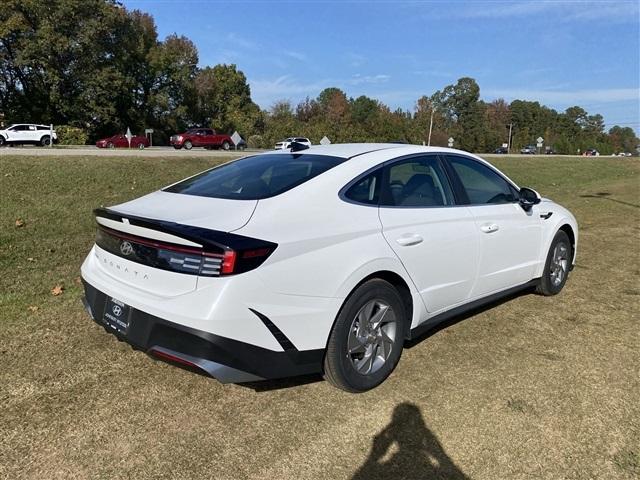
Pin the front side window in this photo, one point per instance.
(417, 182)
(256, 177)
(482, 184)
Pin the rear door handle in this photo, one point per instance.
(408, 240)
(490, 228)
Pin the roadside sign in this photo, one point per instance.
(325, 141)
(539, 139)
(505, 145)
(148, 130)
(450, 142)
(129, 136)
(236, 138)
(539, 145)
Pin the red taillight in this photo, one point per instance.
(260, 252)
(228, 262)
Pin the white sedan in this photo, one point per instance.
(326, 259)
(286, 143)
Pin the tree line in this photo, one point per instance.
(97, 67)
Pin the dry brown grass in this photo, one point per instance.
(535, 387)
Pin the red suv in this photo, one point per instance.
(201, 137)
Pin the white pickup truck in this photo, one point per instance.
(27, 133)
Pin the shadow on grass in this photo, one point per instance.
(605, 196)
(407, 449)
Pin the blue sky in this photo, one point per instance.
(561, 53)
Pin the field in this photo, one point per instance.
(532, 388)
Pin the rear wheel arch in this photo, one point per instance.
(399, 284)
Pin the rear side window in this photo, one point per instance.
(482, 184)
(257, 177)
(366, 190)
(417, 182)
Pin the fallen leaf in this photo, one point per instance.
(57, 290)
(33, 308)
(19, 223)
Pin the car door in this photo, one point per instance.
(435, 239)
(510, 236)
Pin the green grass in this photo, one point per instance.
(532, 388)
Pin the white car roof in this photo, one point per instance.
(348, 150)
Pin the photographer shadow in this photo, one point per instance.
(407, 450)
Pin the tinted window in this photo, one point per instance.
(365, 190)
(481, 183)
(42, 127)
(417, 182)
(256, 177)
(301, 139)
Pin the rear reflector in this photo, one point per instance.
(172, 358)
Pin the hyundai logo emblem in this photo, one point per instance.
(126, 248)
(117, 310)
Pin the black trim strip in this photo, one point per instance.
(467, 307)
(209, 239)
(282, 339)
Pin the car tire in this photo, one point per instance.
(45, 141)
(141, 146)
(226, 145)
(110, 145)
(2, 141)
(187, 145)
(367, 338)
(557, 265)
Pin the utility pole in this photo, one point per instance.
(430, 127)
(509, 144)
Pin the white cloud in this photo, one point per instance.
(566, 97)
(301, 57)
(360, 79)
(562, 10)
(264, 92)
(238, 41)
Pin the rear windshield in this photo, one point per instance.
(257, 177)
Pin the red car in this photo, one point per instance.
(120, 141)
(201, 137)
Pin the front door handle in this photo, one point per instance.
(408, 240)
(490, 228)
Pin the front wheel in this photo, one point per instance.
(141, 146)
(2, 141)
(110, 145)
(556, 268)
(187, 145)
(45, 141)
(367, 339)
(226, 145)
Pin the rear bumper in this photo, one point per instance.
(227, 360)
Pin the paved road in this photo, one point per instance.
(117, 152)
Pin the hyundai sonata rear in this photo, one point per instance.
(322, 260)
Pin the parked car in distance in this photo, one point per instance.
(120, 141)
(529, 150)
(591, 152)
(286, 143)
(501, 150)
(201, 137)
(324, 260)
(549, 151)
(27, 134)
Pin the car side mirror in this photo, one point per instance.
(529, 197)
